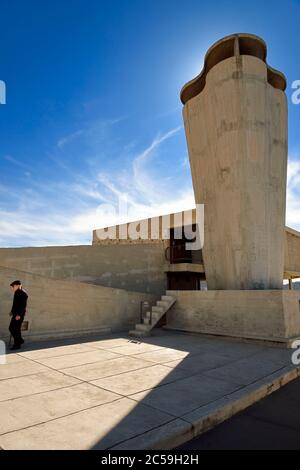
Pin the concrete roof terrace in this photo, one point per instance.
(111, 392)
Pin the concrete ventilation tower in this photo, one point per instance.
(235, 115)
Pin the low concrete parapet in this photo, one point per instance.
(61, 309)
(268, 315)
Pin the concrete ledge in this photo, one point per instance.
(184, 267)
(252, 339)
(181, 430)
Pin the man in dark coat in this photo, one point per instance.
(17, 313)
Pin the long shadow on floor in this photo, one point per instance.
(271, 424)
(168, 376)
(196, 379)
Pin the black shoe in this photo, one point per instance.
(15, 346)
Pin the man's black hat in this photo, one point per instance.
(16, 283)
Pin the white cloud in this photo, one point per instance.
(96, 128)
(60, 213)
(66, 210)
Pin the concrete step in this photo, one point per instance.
(155, 315)
(158, 309)
(163, 303)
(170, 293)
(168, 297)
(155, 319)
(142, 327)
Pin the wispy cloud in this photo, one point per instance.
(66, 209)
(69, 138)
(88, 131)
(18, 163)
(147, 191)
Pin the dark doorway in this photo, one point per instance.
(177, 252)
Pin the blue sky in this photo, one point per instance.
(93, 111)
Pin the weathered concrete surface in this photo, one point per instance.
(150, 230)
(134, 267)
(271, 315)
(68, 308)
(292, 253)
(155, 394)
(236, 130)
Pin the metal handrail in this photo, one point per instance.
(172, 252)
(167, 253)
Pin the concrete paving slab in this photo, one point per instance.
(101, 427)
(208, 416)
(20, 369)
(109, 368)
(175, 340)
(182, 396)
(55, 351)
(166, 403)
(12, 358)
(29, 411)
(109, 343)
(32, 384)
(172, 434)
(136, 381)
(134, 348)
(234, 350)
(210, 342)
(200, 362)
(71, 360)
(245, 371)
(164, 355)
(278, 356)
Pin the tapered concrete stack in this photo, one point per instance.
(235, 116)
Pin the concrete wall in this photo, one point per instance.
(292, 251)
(236, 130)
(291, 237)
(150, 230)
(68, 308)
(267, 314)
(135, 267)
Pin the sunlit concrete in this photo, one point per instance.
(110, 392)
(235, 118)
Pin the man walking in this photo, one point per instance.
(18, 313)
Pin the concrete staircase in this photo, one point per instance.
(158, 311)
